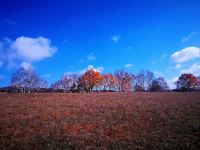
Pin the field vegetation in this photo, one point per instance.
(124, 120)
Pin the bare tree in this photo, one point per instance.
(119, 76)
(26, 79)
(149, 76)
(140, 81)
(73, 81)
(124, 80)
(143, 80)
(69, 82)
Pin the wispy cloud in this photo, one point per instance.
(178, 66)
(9, 22)
(115, 38)
(194, 69)
(189, 36)
(128, 65)
(89, 57)
(186, 54)
(47, 75)
(158, 59)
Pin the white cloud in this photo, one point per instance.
(89, 57)
(178, 66)
(26, 65)
(128, 65)
(188, 37)
(31, 49)
(115, 38)
(98, 69)
(186, 54)
(171, 82)
(194, 69)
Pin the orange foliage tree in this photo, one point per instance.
(90, 79)
(109, 82)
(187, 82)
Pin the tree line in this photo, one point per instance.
(27, 80)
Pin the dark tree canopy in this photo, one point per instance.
(159, 84)
(187, 82)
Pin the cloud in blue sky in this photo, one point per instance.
(188, 37)
(128, 65)
(178, 66)
(194, 69)
(26, 65)
(145, 34)
(171, 82)
(25, 50)
(48, 75)
(116, 38)
(9, 22)
(32, 49)
(186, 54)
(89, 57)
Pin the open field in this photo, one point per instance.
(100, 121)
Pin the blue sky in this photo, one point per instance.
(55, 37)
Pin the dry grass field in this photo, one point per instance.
(100, 121)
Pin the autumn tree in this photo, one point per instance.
(124, 80)
(109, 82)
(26, 79)
(159, 84)
(90, 79)
(187, 82)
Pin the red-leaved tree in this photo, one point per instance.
(90, 79)
(109, 82)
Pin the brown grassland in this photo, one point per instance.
(100, 121)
